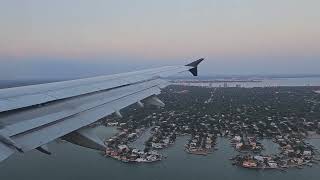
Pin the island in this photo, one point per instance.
(289, 116)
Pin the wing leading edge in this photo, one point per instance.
(32, 116)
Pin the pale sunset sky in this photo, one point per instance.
(79, 38)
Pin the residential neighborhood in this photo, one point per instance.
(287, 115)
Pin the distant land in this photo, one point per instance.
(249, 76)
(253, 77)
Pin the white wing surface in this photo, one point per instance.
(32, 116)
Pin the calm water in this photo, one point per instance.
(73, 162)
(264, 83)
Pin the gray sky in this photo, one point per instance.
(80, 38)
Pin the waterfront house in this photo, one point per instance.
(307, 153)
(123, 148)
(272, 164)
(249, 164)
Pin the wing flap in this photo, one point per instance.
(18, 122)
(42, 135)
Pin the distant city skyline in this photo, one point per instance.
(69, 39)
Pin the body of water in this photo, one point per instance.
(73, 162)
(263, 83)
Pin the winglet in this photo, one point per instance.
(194, 65)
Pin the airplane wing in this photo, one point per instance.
(32, 116)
